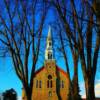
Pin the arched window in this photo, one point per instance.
(49, 55)
(49, 82)
(49, 77)
(50, 43)
(36, 83)
(40, 84)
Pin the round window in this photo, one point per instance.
(49, 77)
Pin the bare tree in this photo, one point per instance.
(21, 25)
(65, 43)
(74, 87)
(81, 40)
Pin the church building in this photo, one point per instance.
(50, 82)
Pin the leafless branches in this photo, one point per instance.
(17, 33)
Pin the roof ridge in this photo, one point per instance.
(58, 68)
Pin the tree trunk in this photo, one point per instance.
(75, 87)
(89, 86)
(75, 81)
(28, 94)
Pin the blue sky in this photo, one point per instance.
(8, 78)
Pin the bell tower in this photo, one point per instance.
(49, 48)
(49, 58)
(50, 64)
(50, 67)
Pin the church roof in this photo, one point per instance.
(57, 68)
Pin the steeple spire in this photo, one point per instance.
(49, 51)
(49, 32)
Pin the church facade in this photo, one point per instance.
(50, 82)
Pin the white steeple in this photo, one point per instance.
(49, 33)
(49, 50)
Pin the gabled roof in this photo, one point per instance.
(62, 71)
(39, 70)
(57, 68)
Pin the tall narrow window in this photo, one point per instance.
(49, 82)
(36, 83)
(40, 84)
(49, 55)
(62, 84)
(49, 43)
